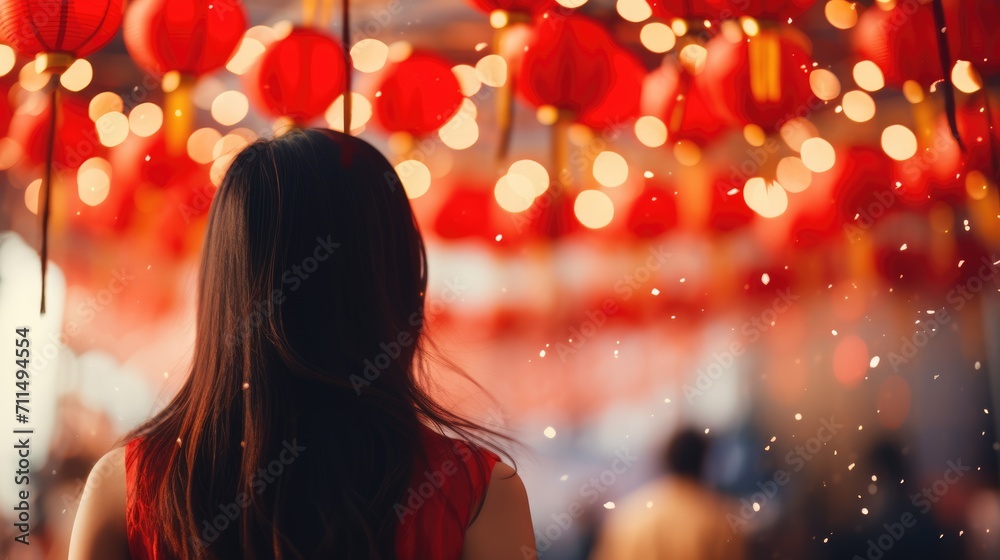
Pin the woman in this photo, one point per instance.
(303, 429)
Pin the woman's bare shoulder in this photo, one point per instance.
(99, 530)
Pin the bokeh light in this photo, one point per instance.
(468, 79)
(657, 37)
(201, 144)
(868, 76)
(514, 193)
(492, 70)
(793, 175)
(841, 13)
(818, 155)
(634, 10)
(858, 106)
(245, 56)
(415, 176)
(93, 181)
(230, 107)
(610, 169)
(766, 199)
(112, 128)
(77, 76)
(965, 77)
(899, 142)
(369, 55)
(534, 172)
(145, 119)
(361, 112)
(103, 103)
(594, 209)
(651, 131)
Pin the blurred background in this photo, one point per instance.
(773, 223)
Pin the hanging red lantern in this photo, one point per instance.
(573, 64)
(902, 41)
(902, 51)
(6, 111)
(417, 95)
(727, 210)
(471, 212)
(763, 80)
(54, 34)
(299, 76)
(623, 100)
(653, 213)
(936, 171)
(76, 136)
(192, 37)
(979, 124)
(864, 187)
(776, 10)
(683, 9)
(71, 27)
(528, 7)
(676, 99)
(148, 162)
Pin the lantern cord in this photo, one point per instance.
(345, 38)
(994, 150)
(505, 101)
(560, 161)
(46, 190)
(945, 55)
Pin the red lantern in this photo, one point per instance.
(936, 171)
(677, 99)
(762, 80)
(190, 36)
(727, 209)
(529, 7)
(470, 212)
(148, 163)
(903, 43)
(902, 51)
(73, 27)
(573, 64)
(779, 10)
(864, 187)
(5, 110)
(653, 213)
(55, 33)
(974, 124)
(683, 9)
(299, 76)
(417, 95)
(76, 136)
(623, 100)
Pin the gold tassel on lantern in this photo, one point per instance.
(178, 110)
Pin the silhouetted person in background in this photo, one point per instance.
(895, 527)
(673, 517)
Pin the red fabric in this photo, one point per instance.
(434, 512)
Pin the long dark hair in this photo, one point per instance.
(309, 349)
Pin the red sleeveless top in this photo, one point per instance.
(434, 512)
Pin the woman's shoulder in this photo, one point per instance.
(100, 527)
(450, 453)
